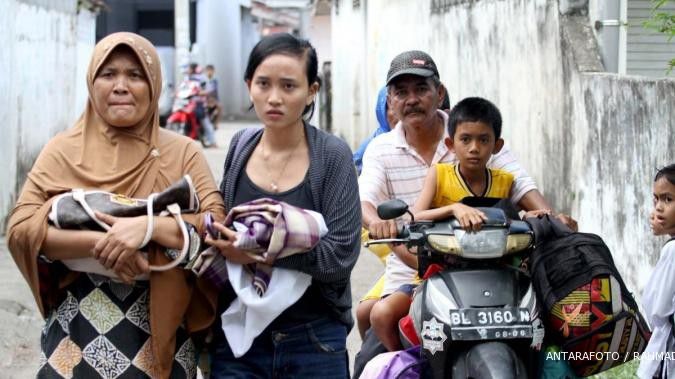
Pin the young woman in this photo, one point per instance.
(291, 161)
(99, 326)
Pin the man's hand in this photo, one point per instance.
(565, 219)
(381, 229)
(538, 213)
(568, 220)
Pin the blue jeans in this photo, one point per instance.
(209, 132)
(314, 350)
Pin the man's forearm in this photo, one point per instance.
(533, 200)
(368, 214)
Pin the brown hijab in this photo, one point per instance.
(134, 161)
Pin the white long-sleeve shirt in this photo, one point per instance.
(658, 301)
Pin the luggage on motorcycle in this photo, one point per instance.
(587, 307)
(402, 364)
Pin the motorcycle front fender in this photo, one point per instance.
(489, 360)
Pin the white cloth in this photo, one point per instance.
(249, 314)
(392, 169)
(658, 302)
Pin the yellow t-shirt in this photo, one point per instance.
(451, 187)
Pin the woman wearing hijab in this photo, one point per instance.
(97, 326)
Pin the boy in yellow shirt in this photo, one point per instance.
(474, 133)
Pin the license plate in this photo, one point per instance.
(490, 323)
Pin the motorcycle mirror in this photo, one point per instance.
(391, 209)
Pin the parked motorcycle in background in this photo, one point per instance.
(184, 118)
(476, 317)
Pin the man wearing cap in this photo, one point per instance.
(396, 163)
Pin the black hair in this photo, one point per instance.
(667, 172)
(445, 104)
(475, 109)
(209, 67)
(286, 44)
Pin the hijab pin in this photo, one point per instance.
(155, 153)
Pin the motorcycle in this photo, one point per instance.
(476, 317)
(184, 118)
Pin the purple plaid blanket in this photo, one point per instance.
(266, 230)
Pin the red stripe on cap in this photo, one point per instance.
(418, 61)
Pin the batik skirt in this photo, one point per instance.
(102, 330)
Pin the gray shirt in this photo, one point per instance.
(334, 194)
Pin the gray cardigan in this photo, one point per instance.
(335, 195)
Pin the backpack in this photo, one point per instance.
(587, 308)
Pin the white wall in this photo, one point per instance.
(46, 50)
(319, 35)
(350, 104)
(223, 38)
(592, 141)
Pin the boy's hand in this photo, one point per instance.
(469, 218)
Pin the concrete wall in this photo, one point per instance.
(47, 46)
(350, 100)
(319, 34)
(591, 140)
(225, 37)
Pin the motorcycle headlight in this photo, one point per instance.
(485, 243)
(444, 244)
(518, 242)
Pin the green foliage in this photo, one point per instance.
(625, 371)
(662, 22)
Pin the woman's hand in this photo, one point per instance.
(469, 218)
(129, 270)
(121, 242)
(226, 245)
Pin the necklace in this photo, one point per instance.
(273, 182)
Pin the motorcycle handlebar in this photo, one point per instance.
(401, 237)
(402, 232)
